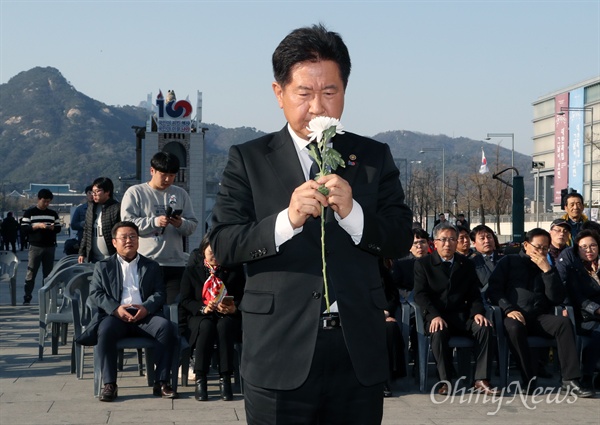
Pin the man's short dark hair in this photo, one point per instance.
(120, 224)
(478, 229)
(420, 234)
(573, 195)
(462, 229)
(105, 184)
(538, 231)
(312, 44)
(88, 189)
(45, 194)
(590, 225)
(165, 162)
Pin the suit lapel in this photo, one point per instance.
(346, 146)
(284, 161)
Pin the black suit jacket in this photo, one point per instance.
(456, 298)
(282, 298)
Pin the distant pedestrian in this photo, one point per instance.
(10, 227)
(42, 225)
(23, 238)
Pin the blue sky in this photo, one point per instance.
(460, 68)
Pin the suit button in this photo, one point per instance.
(316, 295)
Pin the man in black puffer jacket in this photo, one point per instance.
(526, 287)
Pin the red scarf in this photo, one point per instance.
(214, 288)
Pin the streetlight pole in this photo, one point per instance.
(512, 145)
(423, 150)
(584, 109)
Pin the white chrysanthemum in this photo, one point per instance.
(318, 125)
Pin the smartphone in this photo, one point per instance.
(227, 300)
(132, 310)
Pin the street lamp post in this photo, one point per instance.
(584, 109)
(512, 145)
(443, 150)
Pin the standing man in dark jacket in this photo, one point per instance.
(42, 225)
(102, 214)
(447, 290)
(10, 228)
(300, 364)
(526, 287)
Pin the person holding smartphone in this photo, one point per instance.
(210, 295)
(164, 214)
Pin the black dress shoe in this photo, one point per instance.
(201, 392)
(109, 393)
(574, 387)
(225, 384)
(164, 390)
(387, 392)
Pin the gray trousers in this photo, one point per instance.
(38, 255)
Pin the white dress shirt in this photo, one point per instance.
(131, 282)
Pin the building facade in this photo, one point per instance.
(566, 146)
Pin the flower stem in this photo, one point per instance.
(323, 257)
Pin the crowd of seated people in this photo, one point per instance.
(528, 286)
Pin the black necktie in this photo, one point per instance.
(447, 267)
(314, 168)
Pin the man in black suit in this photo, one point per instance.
(485, 257)
(129, 292)
(299, 366)
(526, 288)
(447, 290)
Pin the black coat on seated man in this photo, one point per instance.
(526, 288)
(123, 281)
(447, 290)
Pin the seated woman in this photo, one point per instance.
(578, 268)
(210, 295)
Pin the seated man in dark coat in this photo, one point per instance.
(447, 290)
(129, 291)
(526, 287)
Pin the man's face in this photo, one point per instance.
(315, 89)
(419, 247)
(574, 208)
(89, 195)
(100, 195)
(126, 242)
(442, 218)
(445, 243)
(559, 235)
(160, 180)
(43, 203)
(484, 243)
(464, 242)
(539, 244)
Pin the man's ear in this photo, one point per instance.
(278, 90)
